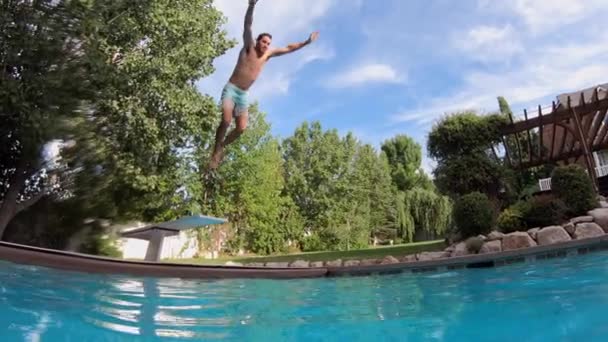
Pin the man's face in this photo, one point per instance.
(264, 44)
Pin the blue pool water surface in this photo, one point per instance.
(555, 300)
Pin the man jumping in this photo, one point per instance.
(252, 58)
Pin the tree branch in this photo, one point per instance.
(29, 202)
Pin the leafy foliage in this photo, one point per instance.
(473, 214)
(511, 220)
(574, 188)
(462, 144)
(544, 211)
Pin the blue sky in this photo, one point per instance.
(387, 67)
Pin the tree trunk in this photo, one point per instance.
(8, 209)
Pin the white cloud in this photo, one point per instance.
(364, 74)
(543, 16)
(537, 80)
(489, 43)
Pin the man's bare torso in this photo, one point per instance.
(248, 68)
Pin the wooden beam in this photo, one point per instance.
(563, 156)
(507, 154)
(530, 151)
(517, 141)
(554, 131)
(582, 137)
(558, 114)
(598, 117)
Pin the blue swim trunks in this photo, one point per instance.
(237, 96)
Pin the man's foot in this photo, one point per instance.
(216, 159)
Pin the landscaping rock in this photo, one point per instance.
(389, 260)
(234, 264)
(581, 219)
(491, 247)
(277, 264)
(426, 256)
(533, 233)
(450, 249)
(334, 263)
(600, 216)
(255, 264)
(299, 264)
(603, 204)
(409, 258)
(368, 262)
(495, 236)
(316, 264)
(460, 249)
(350, 263)
(517, 240)
(551, 235)
(570, 228)
(481, 236)
(588, 230)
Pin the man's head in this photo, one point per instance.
(263, 42)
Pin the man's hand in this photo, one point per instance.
(313, 37)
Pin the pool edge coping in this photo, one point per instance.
(72, 261)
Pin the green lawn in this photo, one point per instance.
(370, 253)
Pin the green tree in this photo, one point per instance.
(134, 111)
(41, 88)
(250, 193)
(405, 157)
(464, 146)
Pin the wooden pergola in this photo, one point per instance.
(574, 129)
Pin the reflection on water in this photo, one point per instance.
(38, 304)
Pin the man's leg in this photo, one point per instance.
(227, 109)
(241, 125)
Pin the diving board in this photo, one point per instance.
(157, 232)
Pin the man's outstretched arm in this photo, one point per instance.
(247, 33)
(295, 46)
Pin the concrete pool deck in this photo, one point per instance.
(94, 264)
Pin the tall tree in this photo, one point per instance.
(404, 157)
(42, 84)
(142, 110)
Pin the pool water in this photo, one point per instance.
(552, 300)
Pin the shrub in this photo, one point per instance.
(572, 185)
(312, 243)
(473, 214)
(474, 244)
(543, 211)
(511, 220)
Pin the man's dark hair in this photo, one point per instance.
(262, 35)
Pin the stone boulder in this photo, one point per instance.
(570, 228)
(389, 259)
(600, 216)
(233, 264)
(316, 264)
(408, 258)
(495, 235)
(368, 262)
(299, 264)
(587, 230)
(277, 264)
(334, 263)
(551, 235)
(460, 249)
(533, 232)
(603, 204)
(581, 219)
(494, 246)
(517, 240)
(350, 263)
(255, 264)
(426, 256)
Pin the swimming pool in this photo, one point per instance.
(551, 300)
